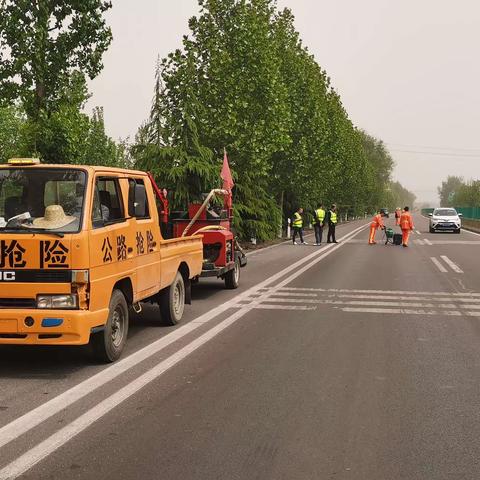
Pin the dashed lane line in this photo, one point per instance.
(437, 263)
(451, 264)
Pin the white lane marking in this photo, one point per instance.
(268, 306)
(408, 298)
(427, 241)
(405, 311)
(469, 231)
(451, 264)
(41, 413)
(294, 294)
(381, 292)
(373, 303)
(417, 232)
(418, 242)
(438, 265)
(55, 441)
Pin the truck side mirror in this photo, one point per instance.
(139, 201)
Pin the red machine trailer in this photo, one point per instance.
(222, 255)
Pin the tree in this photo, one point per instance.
(42, 42)
(244, 81)
(448, 190)
(12, 133)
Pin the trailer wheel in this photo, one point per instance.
(109, 343)
(232, 277)
(172, 301)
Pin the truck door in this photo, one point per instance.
(147, 236)
(112, 242)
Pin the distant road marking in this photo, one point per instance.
(438, 265)
(293, 294)
(381, 292)
(417, 232)
(451, 264)
(427, 241)
(408, 298)
(419, 242)
(375, 303)
(408, 311)
(268, 306)
(55, 441)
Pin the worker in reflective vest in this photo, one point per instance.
(406, 224)
(398, 214)
(297, 226)
(318, 220)
(377, 222)
(331, 219)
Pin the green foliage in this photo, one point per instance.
(12, 133)
(455, 192)
(42, 42)
(47, 48)
(243, 81)
(448, 190)
(398, 197)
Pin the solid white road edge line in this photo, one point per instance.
(469, 231)
(438, 265)
(451, 264)
(52, 443)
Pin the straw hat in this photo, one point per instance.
(54, 218)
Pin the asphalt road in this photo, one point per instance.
(344, 361)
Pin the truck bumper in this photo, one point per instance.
(68, 327)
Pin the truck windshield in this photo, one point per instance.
(41, 199)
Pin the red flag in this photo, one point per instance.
(226, 174)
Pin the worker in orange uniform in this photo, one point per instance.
(406, 224)
(377, 222)
(398, 214)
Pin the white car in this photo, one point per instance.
(444, 219)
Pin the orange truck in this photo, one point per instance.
(80, 248)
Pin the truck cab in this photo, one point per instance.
(80, 247)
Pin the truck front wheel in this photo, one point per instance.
(172, 301)
(109, 343)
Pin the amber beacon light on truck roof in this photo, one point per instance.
(23, 161)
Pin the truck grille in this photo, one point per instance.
(17, 303)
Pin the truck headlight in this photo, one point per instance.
(61, 302)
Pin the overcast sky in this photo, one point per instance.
(408, 72)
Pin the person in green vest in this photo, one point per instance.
(318, 221)
(332, 220)
(297, 225)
